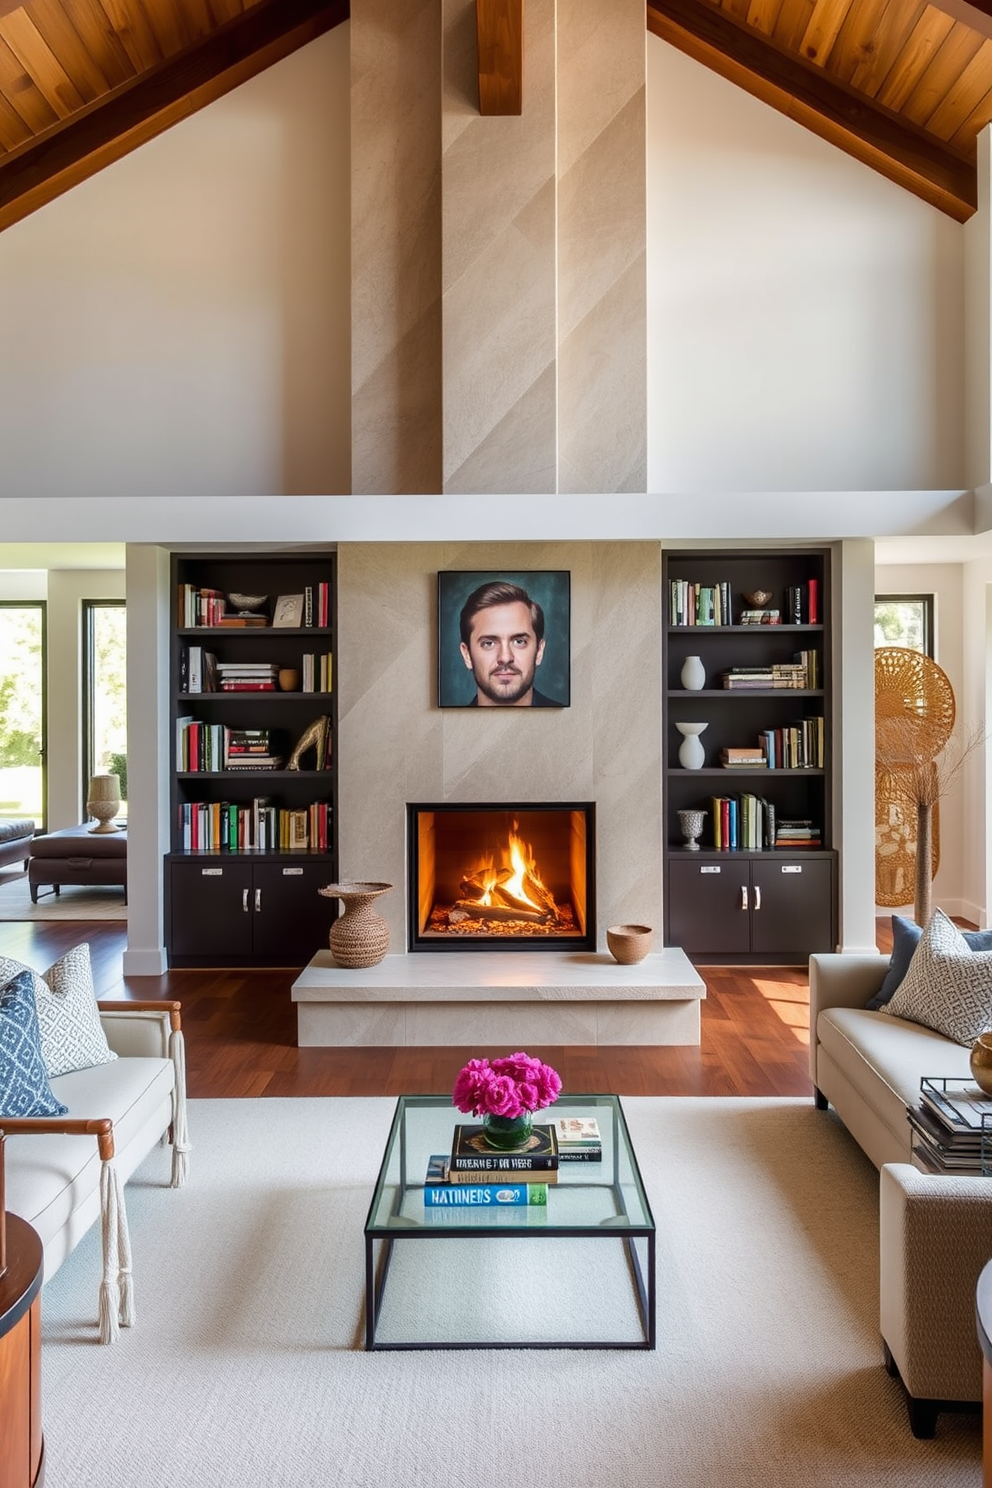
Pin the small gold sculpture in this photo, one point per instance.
(317, 736)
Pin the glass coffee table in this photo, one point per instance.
(576, 1273)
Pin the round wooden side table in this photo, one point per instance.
(22, 1452)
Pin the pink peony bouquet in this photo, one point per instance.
(505, 1087)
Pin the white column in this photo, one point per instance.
(854, 740)
(149, 612)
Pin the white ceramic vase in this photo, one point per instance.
(692, 755)
(693, 674)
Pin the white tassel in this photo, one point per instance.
(110, 1300)
(180, 1134)
(125, 1278)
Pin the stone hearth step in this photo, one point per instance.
(513, 997)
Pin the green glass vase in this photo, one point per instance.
(507, 1133)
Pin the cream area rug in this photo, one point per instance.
(75, 902)
(245, 1368)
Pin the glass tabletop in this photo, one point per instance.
(583, 1197)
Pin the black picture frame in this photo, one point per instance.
(550, 589)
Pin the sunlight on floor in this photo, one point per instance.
(788, 1002)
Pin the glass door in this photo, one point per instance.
(23, 783)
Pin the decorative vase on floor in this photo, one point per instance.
(692, 755)
(507, 1133)
(359, 937)
(693, 674)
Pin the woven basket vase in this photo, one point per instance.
(359, 937)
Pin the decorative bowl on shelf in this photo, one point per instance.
(758, 598)
(247, 604)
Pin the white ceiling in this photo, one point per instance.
(61, 555)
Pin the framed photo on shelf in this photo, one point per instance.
(288, 613)
(503, 638)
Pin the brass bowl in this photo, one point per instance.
(981, 1062)
(758, 598)
(629, 943)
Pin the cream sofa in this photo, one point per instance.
(63, 1173)
(935, 1231)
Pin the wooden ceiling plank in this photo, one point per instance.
(964, 96)
(40, 63)
(20, 91)
(792, 21)
(169, 23)
(895, 26)
(130, 24)
(761, 14)
(737, 8)
(200, 20)
(970, 127)
(101, 41)
(13, 130)
(905, 155)
(855, 44)
(936, 80)
(822, 31)
(75, 151)
(53, 22)
(225, 10)
(929, 35)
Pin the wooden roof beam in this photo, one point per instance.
(110, 128)
(500, 31)
(873, 135)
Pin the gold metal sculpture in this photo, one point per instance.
(317, 737)
(914, 719)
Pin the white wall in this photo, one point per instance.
(180, 322)
(805, 315)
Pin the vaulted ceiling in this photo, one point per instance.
(903, 85)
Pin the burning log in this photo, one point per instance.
(468, 907)
(538, 894)
(475, 885)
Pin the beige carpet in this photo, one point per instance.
(73, 903)
(245, 1368)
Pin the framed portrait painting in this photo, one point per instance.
(503, 638)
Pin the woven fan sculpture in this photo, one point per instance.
(914, 719)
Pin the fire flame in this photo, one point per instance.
(521, 860)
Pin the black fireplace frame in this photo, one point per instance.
(416, 942)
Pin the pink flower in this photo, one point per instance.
(505, 1087)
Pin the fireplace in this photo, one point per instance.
(498, 876)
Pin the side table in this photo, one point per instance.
(22, 1453)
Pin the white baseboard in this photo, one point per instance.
(145, 963)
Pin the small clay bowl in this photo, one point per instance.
(629, 943)
(758, 598)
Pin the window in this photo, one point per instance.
(105, 702)
(22, 712)
(905, 620)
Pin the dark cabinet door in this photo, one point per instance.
(792, 906)
(291, 921)
(211, 908)
(708, 906)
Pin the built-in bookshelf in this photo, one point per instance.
(254, 779)
(753, 628)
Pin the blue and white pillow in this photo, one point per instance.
(948, 986)
(72, 1035)
(905, 938)
(24, 1087)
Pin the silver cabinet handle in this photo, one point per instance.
(757, 896)
(743, 896)
(244, 900)
(258, 901)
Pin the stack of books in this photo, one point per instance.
(952, 1127)
(778, 674)
(744, 758)
(247, 676)
(796, 832)
(578, 1138)
(473, 1175)
(249, 749)
(761, 617)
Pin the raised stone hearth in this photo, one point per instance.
(508, 997)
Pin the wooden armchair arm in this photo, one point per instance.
(100, 1127)
(174, 1009)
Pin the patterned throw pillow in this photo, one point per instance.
(948, 986)
(72, 1035)
(24, 1087)
(905, 938)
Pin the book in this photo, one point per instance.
(579, 1139)
(440, 1194)
(471, 1153)
(519, 1175)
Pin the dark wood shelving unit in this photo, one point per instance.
(747, 905)
(252, 906)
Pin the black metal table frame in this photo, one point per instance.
(376, 1276)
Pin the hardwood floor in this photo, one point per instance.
(241, 1032)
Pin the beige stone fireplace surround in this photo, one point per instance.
(396, 746)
